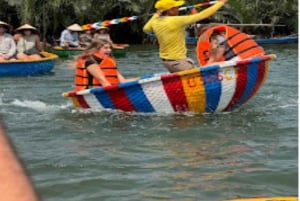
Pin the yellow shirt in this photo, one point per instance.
(170, 32)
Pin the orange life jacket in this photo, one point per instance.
(84, 80)
(237, 44)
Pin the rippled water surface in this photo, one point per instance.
(74, 155)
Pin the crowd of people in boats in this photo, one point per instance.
(76, 36)
(96, 66)
(24, 43)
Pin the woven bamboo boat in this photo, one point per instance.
(277, 198)
(221, 87)
(28, 68)
(118, 50)
(66, 53)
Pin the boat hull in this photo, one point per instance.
(217, 88)
(28, 68)
(66, 53)
(117, 51)
(282, 40)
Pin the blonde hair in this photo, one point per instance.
(95, 46)
(90, 50)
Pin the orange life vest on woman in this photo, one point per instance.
(237, 44)
(84, 80)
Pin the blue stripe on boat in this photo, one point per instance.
(212, 84)
(252, 69)
(138, 99)
(104, 99)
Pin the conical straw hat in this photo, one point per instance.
(26, 26)
(5, 24)
(74, 27)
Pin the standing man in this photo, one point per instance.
(169, 29)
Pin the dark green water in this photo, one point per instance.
(76, 155)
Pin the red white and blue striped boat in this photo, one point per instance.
(220, 87)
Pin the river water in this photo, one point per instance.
(74, 155)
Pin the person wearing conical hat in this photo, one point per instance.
(29, 43)
(69, 37)
(85, 38)
(169, 29)
(7, 43)
(102, 33)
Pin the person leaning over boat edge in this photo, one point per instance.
(169, 29)
(7, 43)
(218, 43)
(97, 68)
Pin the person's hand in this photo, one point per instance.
(5, 56)
(159, 12)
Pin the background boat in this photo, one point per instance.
(65, 53)
(279, 40)
(27, 68)
(217, 88)
(118, 50)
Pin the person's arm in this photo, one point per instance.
(14, 185)
(190, 19)
(13, 48)
(38, 44)
(123, 79)
(97, 73)
(148, 27)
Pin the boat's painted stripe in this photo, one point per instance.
(75, 102)
(176, 97)
(82, 102)
(119, 99)
(138, 98)
(279, 198)
(157, 96)
(104, 99)
(92, 101)
(212, 89)
(262, 74)
(193, 86)
(228, 78)
(240, 86)
(252, 71)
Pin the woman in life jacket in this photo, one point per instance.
(97, 68)
(222, 43)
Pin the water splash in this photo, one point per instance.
(38, 105)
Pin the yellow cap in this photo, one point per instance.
(163, 5)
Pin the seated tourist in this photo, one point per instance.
(86, 38)
(69, 37)
(7, 43)
(97, 68)
(218, 43)
(28, 43)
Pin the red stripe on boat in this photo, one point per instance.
(260, 78)
(175, 92)
(240, 86)
(82, 101)
(120, 100)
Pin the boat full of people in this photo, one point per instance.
(220, 86)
